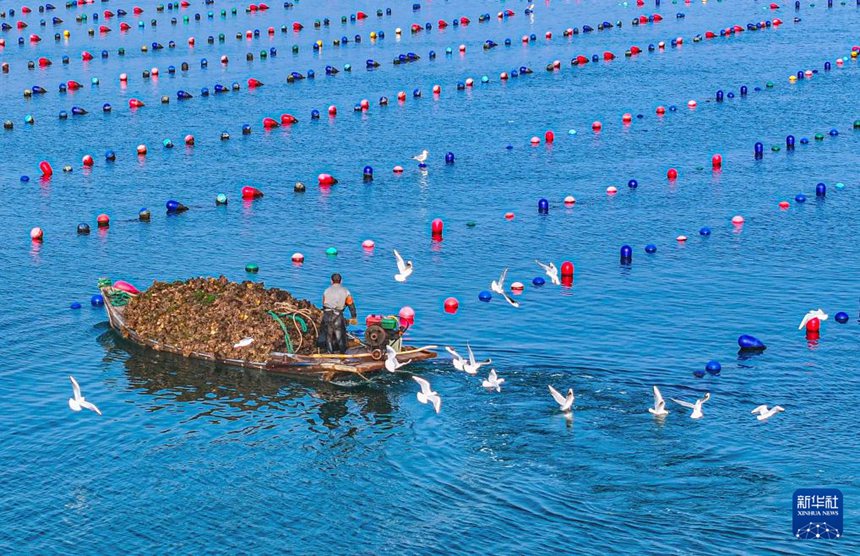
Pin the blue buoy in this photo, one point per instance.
(713, 367)
(759, 151)
(705, 231)
(720, 95)
(750, 343)
(449, 158)
(83, 228)
(110, 156)
(632, 184)
(834, 132)
(97, 300)
(626, 253)
(175, 207)
(650, 248)
(820, 190)
(75, 305)
(25, 179)
(543, 206)
(789, 142)
(698, 373)
(841, 317)
(744, 90)
(485, 296)
(804, 141)
(800, 198)
(538, 281)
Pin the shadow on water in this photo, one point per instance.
(179, 379)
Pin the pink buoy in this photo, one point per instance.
(124, 286)
(191, 41)
(154, 72)
(569, 201)
(36, 234)
(784, 205)
(535, 140)
(596, 126)
(225, 60)
(517, 288)
(141, 150)
(46, 169)
(123, 77)
(737, 219)
(437, 89)
(681, 239)
(451, 305)
(462, 48)
(368, 244)
(250, 193)
(407, 316)
(611, 190)
(398, 169)
(365, 104)
(503, 76)
(548, 35)
(469, 82)
(692, 104)
(297, 258)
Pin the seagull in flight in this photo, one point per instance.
(79, 402)
(565, 403)
(498, 286)
(421, 158)
(458, 361)
(427, 395)
(819, 314)
(659, 409)
(391, 363)
(764, 413)
(471, 366)
(404, 269)
(493, 381)
(551, 271)
(696, 407)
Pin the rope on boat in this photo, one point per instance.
(298, 321)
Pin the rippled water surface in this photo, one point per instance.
(192, 458)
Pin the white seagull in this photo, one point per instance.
(565, 403)
(493, 381)
(659, 409)
(696, 407)
(404, 269)
(391, 363)
(499, 288)
(458, 360)
(765, 413)
(426, 395)
(421, 158)
(244, 342)
(819, 314)
(79, 402)
(471, 366)
(551, 271)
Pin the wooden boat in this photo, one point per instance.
(357, 361)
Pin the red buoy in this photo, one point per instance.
(436, 228)
(46, 169)
(332, 110)
(326, 179)
(451, 305)
(103, 220)
(813, 325)
(567, 269)
(549, 136)
(608, 56)
(672, 174)
(627, 118)
(250, 193)
(87, 160)
(661, 110)
(44, 62)
(269, 123)
(597, 126)
(86, 56)
(717, 161)
(253, 83)
(287, 119)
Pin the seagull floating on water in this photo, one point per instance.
(764, 413)
(659, 409)
(404, 269)
(499, 288)
(79, 402)
(471, 366)
(427, 395)
(565, 403)
(421, 158)
(493, 381)
(391, 362)
(244, 342)
(551, 271)
(819, 314)
(458, 360)
(696, 407)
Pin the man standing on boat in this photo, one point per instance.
(333, 330)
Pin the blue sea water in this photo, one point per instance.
(191, 458)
